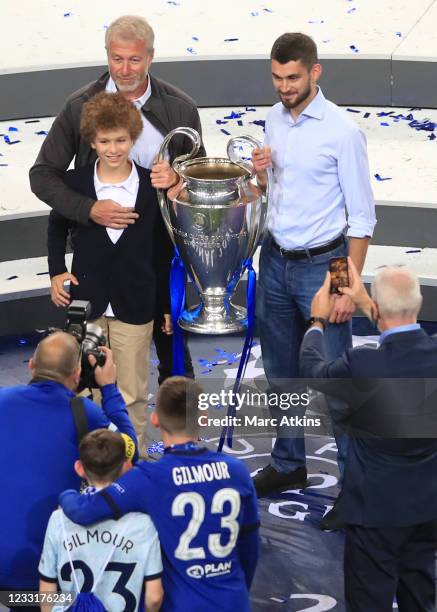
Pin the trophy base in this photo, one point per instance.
(204, 320)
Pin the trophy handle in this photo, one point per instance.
(162, 198)
(246, 165)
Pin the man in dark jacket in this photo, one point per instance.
(389, 496)
(129, 44)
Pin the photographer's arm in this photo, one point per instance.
(113, 404)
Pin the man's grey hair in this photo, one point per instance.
(396, 290)
(131, 27)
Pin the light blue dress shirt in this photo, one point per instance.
(320, 170)
(396, 330)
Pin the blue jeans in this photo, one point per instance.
(284, 295)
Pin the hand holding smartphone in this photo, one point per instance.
(338, 269)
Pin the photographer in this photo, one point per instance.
(40, 440)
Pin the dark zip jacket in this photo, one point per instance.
(166, 109)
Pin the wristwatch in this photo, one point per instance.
(321, 320)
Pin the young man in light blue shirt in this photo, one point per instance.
(321, 206)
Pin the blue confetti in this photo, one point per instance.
(195, 38)
(234, 115)
(12, 277)
(267, 10)
(191, 50)
(385, 114)
(41, 133)
(68, 14)
(12, 129)
(42, 273)
(9, 141)
(254, 14)
(231, 39)
(260, 122)
(366, 115)
(414, 251)
(32, 121)
(380, 178)
(430, 137)
(173, 2)
(354, 48)
(3, 165)
(156, 447)
(206, 372)
(353, 110)
(352, 10)
(22, 341)
(399, 34)
(384, 124)
(239, 122)
(220, 122)
(225, 132)
(250, 110)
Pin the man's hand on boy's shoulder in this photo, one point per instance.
(111, 214)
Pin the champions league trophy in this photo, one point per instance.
(215, 217)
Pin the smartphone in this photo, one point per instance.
(338, 269)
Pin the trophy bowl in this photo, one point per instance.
(215, 216)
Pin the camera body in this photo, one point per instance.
(89, 336)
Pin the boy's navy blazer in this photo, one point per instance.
(133, 273)
(391, 468)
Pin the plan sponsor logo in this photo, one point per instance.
(209, 570)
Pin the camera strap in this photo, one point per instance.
(80, 418)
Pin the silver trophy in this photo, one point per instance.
(215, 216)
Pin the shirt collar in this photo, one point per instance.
(398, 329)
(130, 184)
(111, 87)
(315, 109)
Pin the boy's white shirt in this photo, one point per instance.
(91, 545)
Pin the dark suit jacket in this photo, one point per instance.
(391, 417)
(133, 273)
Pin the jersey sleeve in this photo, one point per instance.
(48, 565)
(131, 493)
(250, 518)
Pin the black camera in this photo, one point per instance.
(90, 336)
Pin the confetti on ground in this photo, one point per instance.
(156, 447)
(230, 39)
(354, 48)
(32, 121)
(41, 133)
(9, 141)
(12, 129)
(380, 178)
(353, 110)
(225, 132)
(12, 277)
(191, 50)
(414, 251)
(195, 38)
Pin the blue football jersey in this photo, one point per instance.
(200, 502)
